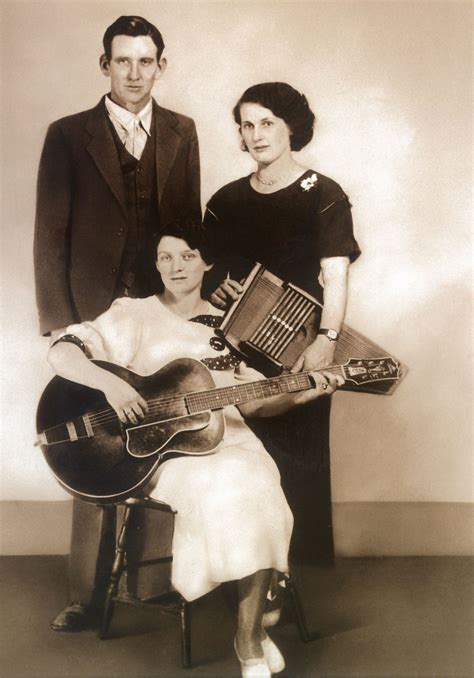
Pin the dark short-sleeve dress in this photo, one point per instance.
(289, 231)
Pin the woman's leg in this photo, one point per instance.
(252, 596)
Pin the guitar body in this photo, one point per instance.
(97, 458)
(109, 461)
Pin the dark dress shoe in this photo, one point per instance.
(75, 617)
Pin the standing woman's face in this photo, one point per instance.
(266, 136)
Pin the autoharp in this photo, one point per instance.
(272, 322)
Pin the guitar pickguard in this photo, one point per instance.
(145, 440)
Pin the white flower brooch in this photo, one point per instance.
(309, 182)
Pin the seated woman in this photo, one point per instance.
(232, 522)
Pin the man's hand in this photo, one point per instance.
(227, 292)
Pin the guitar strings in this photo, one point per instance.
(176, 398)
(206, 397)
(108, 414)
(155, 404)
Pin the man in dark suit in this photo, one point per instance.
(108, 178)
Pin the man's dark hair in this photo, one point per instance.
(133, 26)
(284, 102)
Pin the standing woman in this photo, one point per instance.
(298, 224)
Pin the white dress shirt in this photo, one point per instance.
(133, 129)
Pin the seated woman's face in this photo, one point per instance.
(181, 268)
(266, 136)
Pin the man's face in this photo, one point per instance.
(133, 69)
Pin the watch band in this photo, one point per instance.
(332, 335)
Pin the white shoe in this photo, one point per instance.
(253, 668)
(273, 656)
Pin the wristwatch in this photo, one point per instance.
(332, 335)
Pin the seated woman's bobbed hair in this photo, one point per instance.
(191, 231)
(284, 102)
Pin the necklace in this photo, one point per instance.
(266, 182)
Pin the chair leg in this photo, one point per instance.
(298, 612)
(185, 619)
(115, 575)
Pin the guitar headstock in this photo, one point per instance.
(364, 371)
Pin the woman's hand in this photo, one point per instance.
(227, 292)
(318, 355)
(325, 383)
(69, 361)
(126, 401)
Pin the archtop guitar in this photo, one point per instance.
(98, 459)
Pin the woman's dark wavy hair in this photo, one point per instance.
(284, 102)
(191, 231)
(133, 26)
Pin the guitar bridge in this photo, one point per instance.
(88, 426)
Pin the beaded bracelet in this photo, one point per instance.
(71, 339)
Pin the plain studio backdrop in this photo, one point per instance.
(390, 85)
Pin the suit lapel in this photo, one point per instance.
(102, 149)
(166, 147)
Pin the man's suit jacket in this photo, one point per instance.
(81, 217)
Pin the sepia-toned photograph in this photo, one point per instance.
(236, 279)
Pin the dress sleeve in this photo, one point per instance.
(336, 232)
(113, 336)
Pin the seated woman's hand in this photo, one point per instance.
(227, 292)
(327, 381)
(126, 401)
(325, 384)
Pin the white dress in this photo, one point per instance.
(232, 516)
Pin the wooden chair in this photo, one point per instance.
(173, 602)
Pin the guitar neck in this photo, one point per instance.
(217, 398)
(176, 405)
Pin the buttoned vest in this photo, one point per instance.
(139, 180)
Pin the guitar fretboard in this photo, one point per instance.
(201, 401)
(177, 405)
